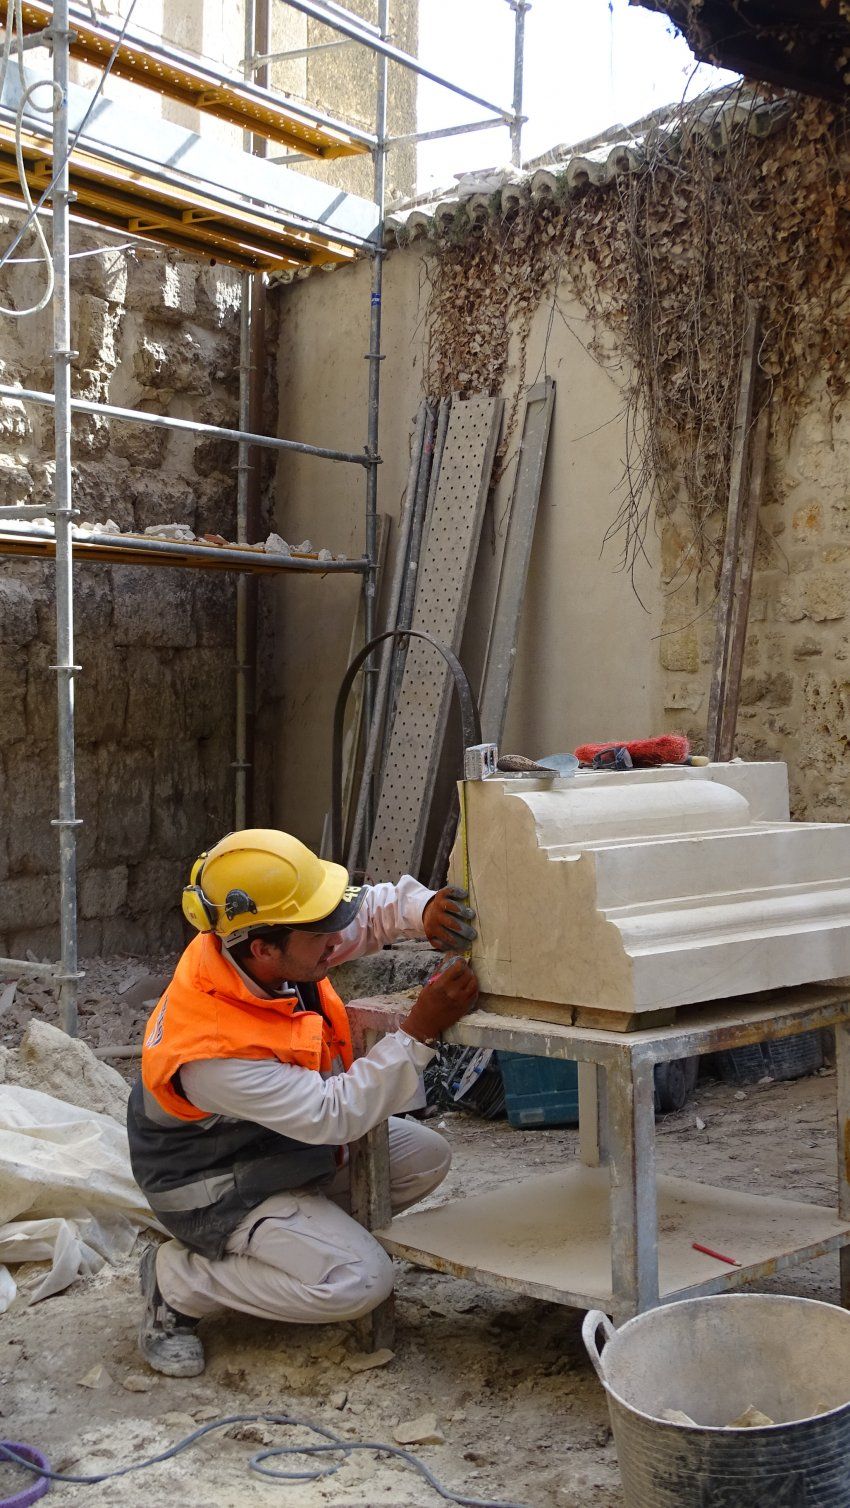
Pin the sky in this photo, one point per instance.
(589, 64)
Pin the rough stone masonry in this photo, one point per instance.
(154, 708)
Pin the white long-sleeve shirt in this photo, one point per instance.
(299, 1102)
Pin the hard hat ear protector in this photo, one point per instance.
(199, 912)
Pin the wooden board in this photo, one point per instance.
(577, 1015)
(549, 1236)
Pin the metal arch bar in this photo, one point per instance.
(470, 721)
(351, 29)
(164, 421)
(443, 131)
(262, 59)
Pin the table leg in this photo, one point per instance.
(633, 1197)
(369, 1163)
(370, 1205)
(592, 1118)
(842, 1091)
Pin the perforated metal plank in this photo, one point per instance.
(445, 575)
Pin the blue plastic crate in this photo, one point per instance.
(539, 1091)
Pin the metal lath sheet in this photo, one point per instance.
(445, 576)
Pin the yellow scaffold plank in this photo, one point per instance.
(128, 199)
(181, 77)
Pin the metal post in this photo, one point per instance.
(519, 8)
(842, 1090)
(243, 466)
(65, 668)
(243, 463)
(375, 358)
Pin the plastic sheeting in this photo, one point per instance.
(67, 1194)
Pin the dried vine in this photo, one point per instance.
(664, 259)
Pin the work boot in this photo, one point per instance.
(168, 1340)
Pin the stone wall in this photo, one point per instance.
(155, 702)
(795, 692)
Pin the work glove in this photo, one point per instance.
(447, 921)
(447, 996)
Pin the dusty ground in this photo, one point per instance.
(524, 1419)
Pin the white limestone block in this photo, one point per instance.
(646, 889)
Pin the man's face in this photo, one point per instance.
(304, 960)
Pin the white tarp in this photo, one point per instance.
(66, 1190)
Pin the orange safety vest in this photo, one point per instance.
(209, 1012)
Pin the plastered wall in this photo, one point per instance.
(588, 652)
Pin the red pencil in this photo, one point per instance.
(718, 1255)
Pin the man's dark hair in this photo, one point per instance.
(241, 951)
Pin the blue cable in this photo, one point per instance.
(336, 1446)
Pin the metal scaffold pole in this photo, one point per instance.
(519, 8)
(375, 359)
(65, 668)
(243, 466)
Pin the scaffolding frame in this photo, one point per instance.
(59, 34)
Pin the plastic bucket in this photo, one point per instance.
(712, 1358)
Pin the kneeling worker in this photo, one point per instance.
(249, 1094)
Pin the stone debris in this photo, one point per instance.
(98, 1379)
(176, 532)
(676, 1416)
(277, 546)
(63, 1066)
(138, 1382)
(339, 1399)
(182, 1423)
(365, 1362)
(179, 532)
(752, 1418)
(422, 1431)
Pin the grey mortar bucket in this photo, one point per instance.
(712, 1358)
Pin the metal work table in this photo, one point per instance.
(606, 1232)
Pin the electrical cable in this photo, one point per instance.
(45, 257)
(33, 214)
(96, 251)
(15, 24)
(335, 1446)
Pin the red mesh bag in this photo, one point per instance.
(667, 748)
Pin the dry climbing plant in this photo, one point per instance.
(664, 259)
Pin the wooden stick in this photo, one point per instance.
(118, 1052)
(737, 484)
(741, 602)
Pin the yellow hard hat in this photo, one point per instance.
(265, 878)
